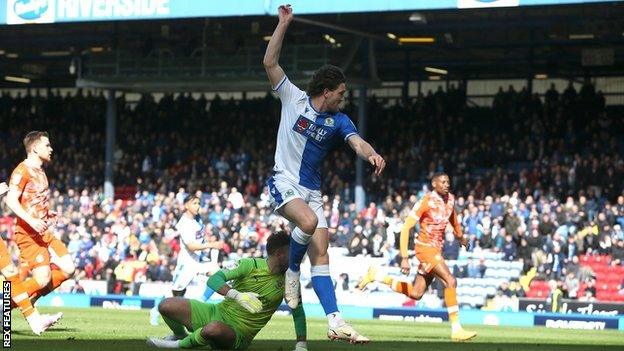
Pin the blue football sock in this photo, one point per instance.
(324, 289)
(297, 251)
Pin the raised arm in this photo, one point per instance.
(271, 56)
(366, 152)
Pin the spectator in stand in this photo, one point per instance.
(510, 249)
(572, 285)
(617, 253)
(450, 249)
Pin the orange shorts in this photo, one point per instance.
(35, 249)
(429, 257)
(5, 256)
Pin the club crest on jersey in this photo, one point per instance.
(310, 129)
(289, 193)
(279, 284)
(329, 122)
(228, 266)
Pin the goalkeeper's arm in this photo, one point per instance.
(248, 300)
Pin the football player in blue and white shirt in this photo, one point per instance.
(310, 126)
(192, 245)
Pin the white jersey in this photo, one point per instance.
(191, 231)
(305, 136)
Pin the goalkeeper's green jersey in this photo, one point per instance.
(250, 275)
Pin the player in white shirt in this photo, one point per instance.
(310, 126)
(192, 244)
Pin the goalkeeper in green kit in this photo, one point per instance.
(256, 293)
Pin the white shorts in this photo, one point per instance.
(185, 273)
(283, 190)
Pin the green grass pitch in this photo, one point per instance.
(96, 329)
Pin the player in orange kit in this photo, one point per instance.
(434, 212)
(28, 198)
(19, 296)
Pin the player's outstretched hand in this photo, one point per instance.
(285, 13)
(248, 300)
(405, 266)
(378, 162)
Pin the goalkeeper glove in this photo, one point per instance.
(248, 300)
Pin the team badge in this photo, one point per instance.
(289, 193)
(228, 266)
(329, 122)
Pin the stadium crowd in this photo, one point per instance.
(539, 180)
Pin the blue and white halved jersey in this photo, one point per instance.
(191, 231)
(305, 136)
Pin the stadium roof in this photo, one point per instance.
(212, 53)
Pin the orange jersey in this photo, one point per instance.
(32, 185)
(434, 214)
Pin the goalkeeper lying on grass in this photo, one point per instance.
(256, 293)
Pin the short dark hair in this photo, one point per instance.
(326, 77)
(276, 241)
(190, 198)
(438, 175)
(32, 137)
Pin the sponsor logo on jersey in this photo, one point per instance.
(310, 129)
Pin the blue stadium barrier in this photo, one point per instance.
(467, 316)
(65, 300)
(348, 312)
(578, 321)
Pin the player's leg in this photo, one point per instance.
(176, 313)
(414, 290)
(442, 272)
(305, 221)
(287, 199)
(216, 334)
(64, 267)
(19, 294)
(324, 286)
(299, 319)
(202, 319)
(182, 277)
(38, 259)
